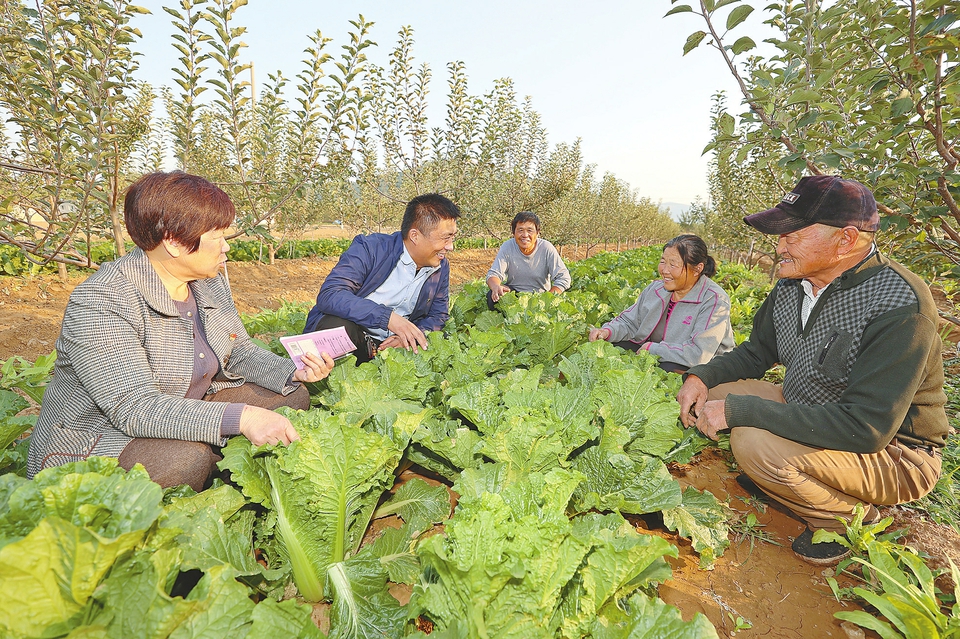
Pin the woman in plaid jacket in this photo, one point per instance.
(153, 363)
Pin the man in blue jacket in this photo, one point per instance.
(388, 290)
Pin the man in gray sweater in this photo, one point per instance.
(527, 263)
(860, 416)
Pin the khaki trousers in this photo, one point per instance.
(821, 485)
(171, 462)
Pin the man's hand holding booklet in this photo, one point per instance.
(333, 341)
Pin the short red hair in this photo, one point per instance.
(175, 206)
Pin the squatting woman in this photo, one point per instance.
(153, 363)
(684, 317)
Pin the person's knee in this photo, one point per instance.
(171, 462)
(198, 464)
(752, 450)
(299, 399)
(739, 446)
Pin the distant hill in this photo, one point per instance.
(676, 209)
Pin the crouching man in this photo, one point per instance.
(860, 415)
(387, 291)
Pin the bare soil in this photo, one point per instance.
(762, 582)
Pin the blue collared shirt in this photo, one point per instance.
(401, 289)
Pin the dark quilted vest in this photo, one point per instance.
(818, 362)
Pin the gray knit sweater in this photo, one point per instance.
(534, 273)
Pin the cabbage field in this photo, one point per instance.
(483, 482)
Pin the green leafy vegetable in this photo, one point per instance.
(616, 482)
(323, 489)
(418, 503)
(362, 607)
(703, 520)
(512, 564)
(648, 618)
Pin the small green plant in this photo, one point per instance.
(942, 504)
(775, 374)
(267, 326)
(908, 597)
(739, 623)
(859, 538)
(895, 582)
(945, 332)
(748, 528)
(757, 503)
(29, 377)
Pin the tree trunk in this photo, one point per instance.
(272, 252)
(115, 219)
(62, 271)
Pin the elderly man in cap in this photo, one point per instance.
(860, 415)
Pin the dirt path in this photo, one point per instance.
(780, 596)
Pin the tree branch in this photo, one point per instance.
(754, 106)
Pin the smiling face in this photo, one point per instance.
(678, 278)
(525, 234)
(810, 253)
(430, 249)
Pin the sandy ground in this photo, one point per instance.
(764, 584)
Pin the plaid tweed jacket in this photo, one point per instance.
(125, 360)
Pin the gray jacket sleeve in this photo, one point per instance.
(499, 267)
(104, 339)
(628, 324)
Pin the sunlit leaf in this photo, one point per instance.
(738, 15)
(693, 41)
(742, 44)
(683, 8)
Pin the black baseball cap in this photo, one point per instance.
(820, 199)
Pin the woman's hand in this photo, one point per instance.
(599, 333)
(314, 368)
(262, 426)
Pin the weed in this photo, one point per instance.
(893, 579)
(902, 590)
(757, 503)
(943, 502)
(945, 332)
(739, 623)
(748, 528)
(860, 537)
(29, 377)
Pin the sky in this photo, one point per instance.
(611, 73)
